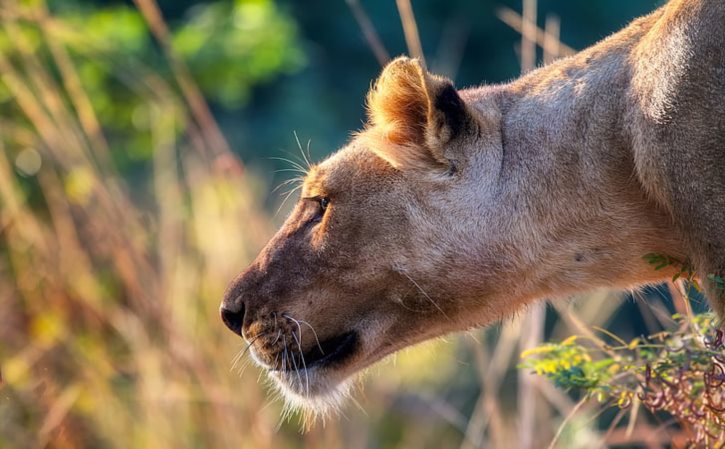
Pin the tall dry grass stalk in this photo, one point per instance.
(110, 335)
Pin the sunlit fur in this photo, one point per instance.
(454, 209)
(402, 117)
(314, 406)
(398, 104)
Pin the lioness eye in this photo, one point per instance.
(322, 203)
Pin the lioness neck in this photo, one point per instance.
(573, 204)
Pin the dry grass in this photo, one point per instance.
(110, 334)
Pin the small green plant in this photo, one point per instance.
(686, 270)
(680, 373)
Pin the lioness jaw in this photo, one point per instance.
(454, 208)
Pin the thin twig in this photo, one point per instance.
(410, 29)
(568, 418)
(369, 32)
(218, 145)
(532, 334)
(552, 44)
(515, 21)
(528, 37)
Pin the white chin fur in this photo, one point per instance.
(314, 394)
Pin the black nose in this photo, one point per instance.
(233, 320)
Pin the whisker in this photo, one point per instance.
(244, 352)
(299, 346)
(289, 192)
(287, 196)
(425, 294)
(299, 328)
(309, 141)
(284, 357)
(294, 362)
(358, 405)
(236, 358)
(317, 340)
(285, 170)
(244, 366)
(307, 160)
(297, 179)
(292, 189)
(291, 162)
(304, 365)
(289, 181)
(259, 376)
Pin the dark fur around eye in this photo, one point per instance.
(322, 204)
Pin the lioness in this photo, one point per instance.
(455, 208)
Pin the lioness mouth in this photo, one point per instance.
(331, 351)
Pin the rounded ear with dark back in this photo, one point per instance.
(414, 114)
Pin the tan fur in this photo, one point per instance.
(453, 209)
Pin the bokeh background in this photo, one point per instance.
(139, 152)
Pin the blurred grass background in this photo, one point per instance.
(135, 181)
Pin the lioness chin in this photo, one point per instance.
(454, 208)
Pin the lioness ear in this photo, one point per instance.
(415, 114)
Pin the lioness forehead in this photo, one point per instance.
(314, 181)
(353, 164)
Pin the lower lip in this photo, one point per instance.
(346, 348)
(341, 352)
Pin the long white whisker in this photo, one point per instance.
(309, 141)
(299, 328)
(286, 170)
(294, 362)
(294, 188)
(244, 367)
(287, 196)
(291, 162)
(291, 191)
(358, 405)
(242, 353)
(259, 376)
(237, 358)
(317, 340)
(302, 355)
(304, 365)
(307, 161)
(296, 179)
(284, 359)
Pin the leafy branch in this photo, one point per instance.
(680, 373)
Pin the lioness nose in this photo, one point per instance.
(232, 319)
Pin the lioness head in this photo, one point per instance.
(404, 235)
(375, 255)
